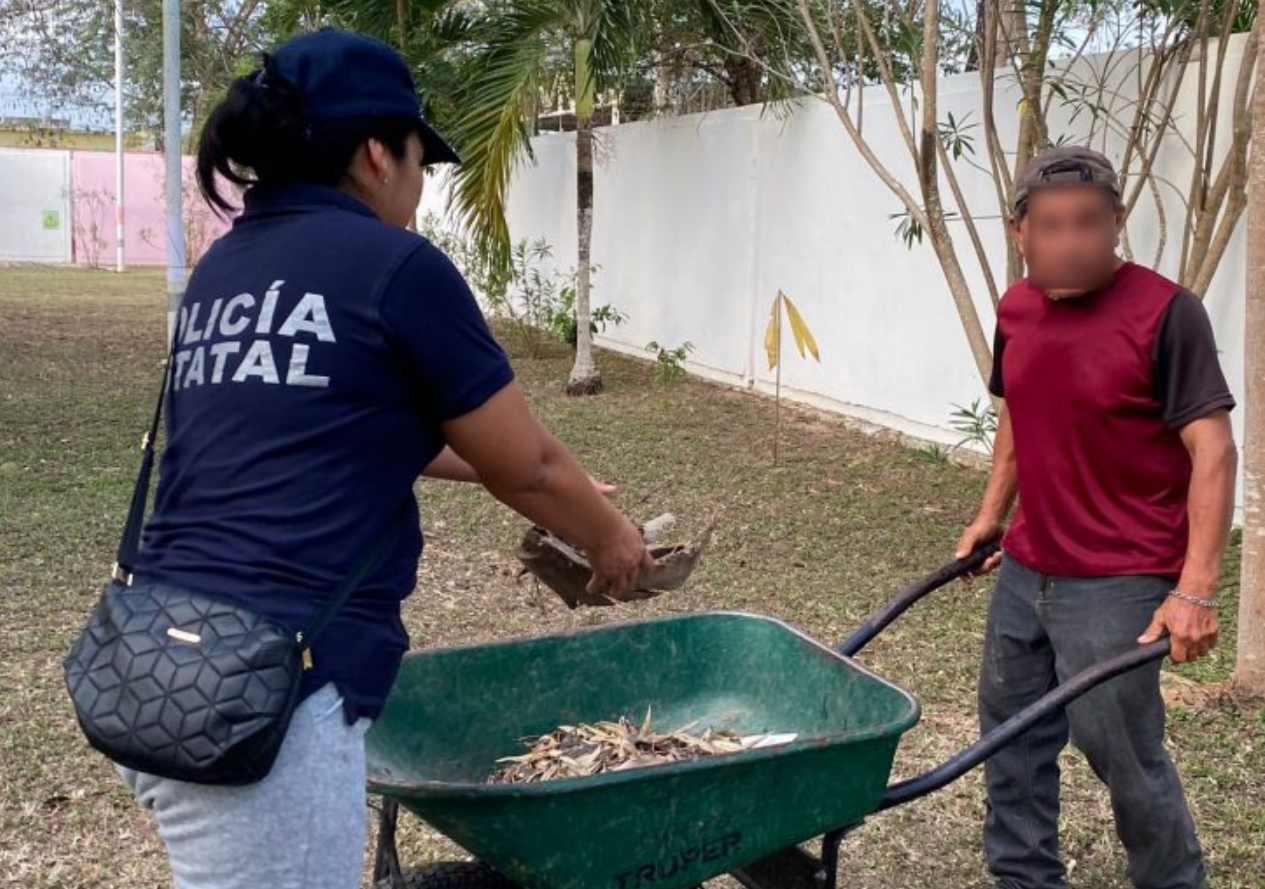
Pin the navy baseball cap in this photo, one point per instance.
(342, 75)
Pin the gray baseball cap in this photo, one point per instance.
(1063, 166)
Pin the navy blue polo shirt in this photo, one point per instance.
(319, 351)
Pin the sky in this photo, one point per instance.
(16, 101)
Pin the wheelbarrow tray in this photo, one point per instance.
(454, 711)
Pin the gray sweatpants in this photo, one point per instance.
(1041, 631)
(302, 827)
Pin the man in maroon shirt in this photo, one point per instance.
(1115, 438)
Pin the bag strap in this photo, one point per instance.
(129, 543)
(377, 552)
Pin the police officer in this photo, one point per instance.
(325, 358)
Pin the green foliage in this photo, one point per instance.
(710, 53)
(1243, 12)
(535, 296)
(514, 45)
(669, 364)
(908, 229)
(63, 54)
(536, 302)
(955, 135)
(977, 424)
(773, 32)
(435, 36)
(561, 320)
(931, 453)
(483, 67)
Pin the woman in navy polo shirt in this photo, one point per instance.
(326, 357)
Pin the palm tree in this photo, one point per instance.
(432, 35)
(516, 45)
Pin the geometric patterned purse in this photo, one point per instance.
(181, 685)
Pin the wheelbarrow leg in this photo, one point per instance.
(794, 868)
(828, 874)
(386, 863)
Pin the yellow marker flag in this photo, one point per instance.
(803, 336)
(772, 337)
(804, 340)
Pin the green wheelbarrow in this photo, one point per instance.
(454, 711)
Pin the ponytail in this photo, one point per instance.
(259, 135)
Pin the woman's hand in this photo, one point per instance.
(529, 470)
(619, 563)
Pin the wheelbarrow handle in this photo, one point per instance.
(882, 618)
(1053, 700)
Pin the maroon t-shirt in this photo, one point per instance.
(1097, 389)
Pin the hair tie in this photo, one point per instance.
(257, 81)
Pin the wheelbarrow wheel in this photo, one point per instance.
(452, 875)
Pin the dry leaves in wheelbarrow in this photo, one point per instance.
(578, 751)
(564, 568)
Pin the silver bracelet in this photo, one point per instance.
(1212, 604)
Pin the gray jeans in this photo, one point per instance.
(302, 827)
(1041, 631)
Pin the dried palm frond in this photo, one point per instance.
(576, 751)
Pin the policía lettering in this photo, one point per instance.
(708, 850)
(236, 340)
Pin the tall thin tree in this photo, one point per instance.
(1249, 671)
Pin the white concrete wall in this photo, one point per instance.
(700, 220)
(36, 193)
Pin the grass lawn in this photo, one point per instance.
(819, 540)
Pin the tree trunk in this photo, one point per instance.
(585, 379)
(1004, 24)
(743, 77)
(1012, 37)
(929, 186)
(1216, 221)
(1031, 58)
(744, 70)
(1249, 672)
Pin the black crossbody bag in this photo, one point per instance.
(182, 685)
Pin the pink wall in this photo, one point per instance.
(145, 233)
